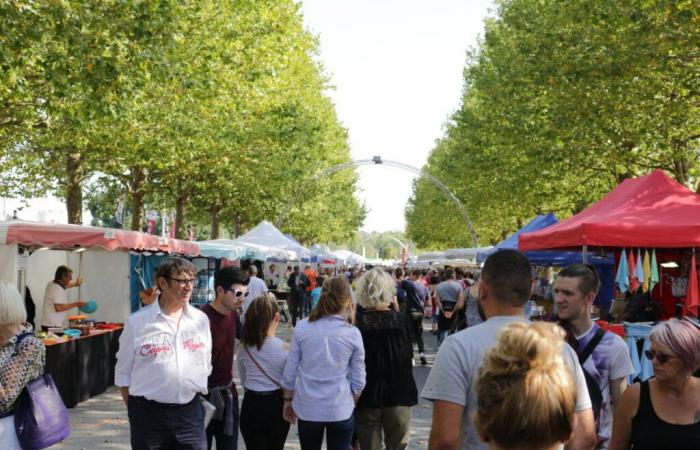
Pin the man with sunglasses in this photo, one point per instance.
(603, 355)
(163, 363)
(231, 285)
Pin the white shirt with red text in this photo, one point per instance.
(161, 360)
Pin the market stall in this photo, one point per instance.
(31, 252)
(560, 258)
(652, 217)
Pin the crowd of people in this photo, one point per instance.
(498, 381)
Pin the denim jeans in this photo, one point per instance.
(338, 434)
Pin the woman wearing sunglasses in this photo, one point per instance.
(664, 412)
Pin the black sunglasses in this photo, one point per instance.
(237, 294)
(662, 358)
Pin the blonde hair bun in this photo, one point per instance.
(526, 395)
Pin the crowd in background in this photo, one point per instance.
(498, 381)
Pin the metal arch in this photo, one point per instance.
(378, 160)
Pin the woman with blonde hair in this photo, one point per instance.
(663, 412)
(390, 392)
(325, 371)
(526, 395)
(260, 365)
(22, 359)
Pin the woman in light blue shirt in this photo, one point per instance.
(325, 372)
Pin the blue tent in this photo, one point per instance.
(604, 264)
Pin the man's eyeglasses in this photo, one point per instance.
(183, 281)
(662, 358)
(237, 294)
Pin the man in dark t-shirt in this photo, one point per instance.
(231, 286)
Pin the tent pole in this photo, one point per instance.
(584, 256)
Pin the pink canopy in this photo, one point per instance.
(649, 211)
(69, 236)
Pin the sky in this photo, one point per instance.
(397, 71)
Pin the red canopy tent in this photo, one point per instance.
(652, 211)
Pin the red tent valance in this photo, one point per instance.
(69, 236)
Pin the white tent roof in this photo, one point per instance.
(347, 255)
(233, 249)
(465, 253)
(268, 235)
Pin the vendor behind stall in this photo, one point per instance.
(56, 303)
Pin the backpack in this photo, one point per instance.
(593, 388)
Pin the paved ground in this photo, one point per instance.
(101, 422)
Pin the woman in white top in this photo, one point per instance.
(260, 365)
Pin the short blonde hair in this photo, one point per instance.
(375, 289)
(525, 393)
(12, 309)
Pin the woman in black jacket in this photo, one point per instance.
(390, 392)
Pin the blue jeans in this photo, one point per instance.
(215, 430)
(156, 425)
(338, 434)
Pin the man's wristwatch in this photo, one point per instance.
(287, 399)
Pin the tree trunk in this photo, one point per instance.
(215, 221)
(136, 185)
(74, 192)
(236, 225)
(680, 170)
(180, 206)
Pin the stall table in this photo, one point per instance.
(83, 367)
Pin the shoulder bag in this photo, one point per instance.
(260, 368)
(41, 418)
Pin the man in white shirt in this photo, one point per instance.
(163, 363)
(256, 287)
(56, 305)
(451, 385)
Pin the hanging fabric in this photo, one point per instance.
(646, 269)
(654, 278)
(631, 262)
(622, 277)
(692, 300)
(639, 267)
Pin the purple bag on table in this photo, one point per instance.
(41, 417)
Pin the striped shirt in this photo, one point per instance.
(271, 357)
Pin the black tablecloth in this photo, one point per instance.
(83, 368)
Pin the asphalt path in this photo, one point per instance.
(102, 423)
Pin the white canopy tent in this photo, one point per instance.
(266, 234)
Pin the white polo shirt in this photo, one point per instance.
(55, 294)
(163, 361)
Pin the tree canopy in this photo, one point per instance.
(563, 100)
(214, 109)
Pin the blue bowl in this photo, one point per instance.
(89, 308)
(71, 332)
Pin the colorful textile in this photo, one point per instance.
(692, 300)
(622, 277)
(639, 267)
(654, 271)
(634, 282)
(646, 268)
